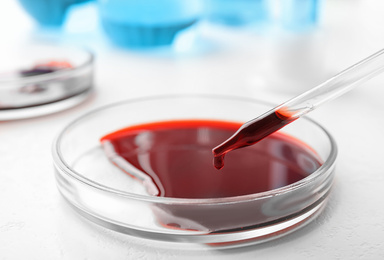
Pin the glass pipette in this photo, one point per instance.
(253, 131)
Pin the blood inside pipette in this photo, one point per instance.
(252, 132)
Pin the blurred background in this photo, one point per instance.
(241, 47)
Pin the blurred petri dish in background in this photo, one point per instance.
(43, 79)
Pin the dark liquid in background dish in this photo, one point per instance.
(34, 86)
(28, 93)
(177, 157)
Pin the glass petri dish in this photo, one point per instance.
(43, 79)
(105, 195)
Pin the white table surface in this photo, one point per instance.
(36, 223)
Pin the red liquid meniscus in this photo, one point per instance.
(174, 159)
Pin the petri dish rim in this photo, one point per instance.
(89, 61)
(84, 67)
(59, 161)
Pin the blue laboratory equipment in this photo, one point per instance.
(299, 14)
(147, 23)
(290, 14)
(237, 12)
(49, 12)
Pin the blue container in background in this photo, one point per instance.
(49, 12)
(289, 14)
(147, 23)
(139, 24)
(299, 14)
(237, 12)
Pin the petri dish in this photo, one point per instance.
(43, 79)
(104, 194)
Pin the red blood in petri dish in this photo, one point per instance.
(46, 67)
(176, 156)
